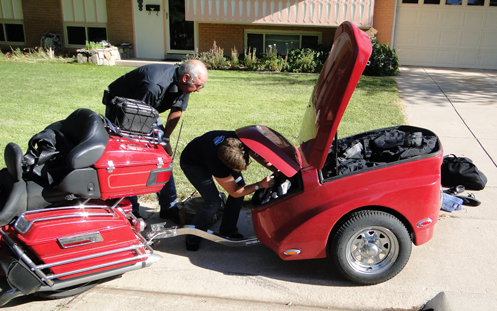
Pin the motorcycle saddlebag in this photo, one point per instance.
(131, 115)
(130, 167)
(76, 241)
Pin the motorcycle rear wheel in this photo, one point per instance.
(73, 290)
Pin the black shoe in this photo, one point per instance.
(171, 214)
(193, 243)
(454, 190)
(137, 214)
(470, 200)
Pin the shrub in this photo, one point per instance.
(95, 45)
(383, 61)
(250, 59)
(235, 62)
(306, 60)
(272, 61)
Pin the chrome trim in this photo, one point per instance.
(22, 225)
(428, 221)
(88, 238)
(110, 166)
(61, 284)
(289, 252)
(158, 231)
(63, 262)
(54, 276)
(139, 255)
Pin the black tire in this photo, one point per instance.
(67, 292)
(370, 247)
(73, 290)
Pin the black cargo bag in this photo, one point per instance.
(462, 171)
(131, 115)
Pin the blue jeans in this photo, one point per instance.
(167, 196)
(202, 180)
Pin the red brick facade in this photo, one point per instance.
(228, 36)
(383, 20)
(120, 21)
(41, 16)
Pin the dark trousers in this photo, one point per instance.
(167, 196)
(202, 180)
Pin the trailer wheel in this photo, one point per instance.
(370, 247)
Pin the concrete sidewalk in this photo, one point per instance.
(459, 261)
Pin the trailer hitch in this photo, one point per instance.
(159, 231)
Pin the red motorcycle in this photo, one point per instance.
(64, 224)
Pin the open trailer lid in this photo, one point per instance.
(271, 146)
(341, 73)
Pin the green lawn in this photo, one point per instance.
(34, 95)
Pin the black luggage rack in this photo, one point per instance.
(135, 120)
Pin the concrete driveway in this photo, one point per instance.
(460, 106)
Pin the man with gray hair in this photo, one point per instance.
(164, 87)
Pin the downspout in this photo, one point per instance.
(393, 24)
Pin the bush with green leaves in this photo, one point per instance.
(94, 45)
(250, 60)
(305, 60)
(272, 61)
(383, 60)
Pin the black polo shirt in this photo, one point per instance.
(202, 151)
(154, 84)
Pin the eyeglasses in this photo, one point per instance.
(197, 86)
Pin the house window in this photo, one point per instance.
(12, 32)
(84, 20)
(284, 41)
(78, 35)
(453, 2)
(409, 1)
(493, 2)
(476, 2)
(431, 1)
(11, 22)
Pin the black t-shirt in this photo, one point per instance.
(154, 84)
(203, 151)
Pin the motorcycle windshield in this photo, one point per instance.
(271, 146)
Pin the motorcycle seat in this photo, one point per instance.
(13, 194)
(85, 130)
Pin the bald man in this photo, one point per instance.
(164, 87)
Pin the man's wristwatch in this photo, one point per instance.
(256, 186)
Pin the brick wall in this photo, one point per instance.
(41, 16)
(383, 20)
(120, 21)
(228, 36)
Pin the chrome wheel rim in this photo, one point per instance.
(372, 250)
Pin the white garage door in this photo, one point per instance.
(447, 33)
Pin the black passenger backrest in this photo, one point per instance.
(85, 129)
